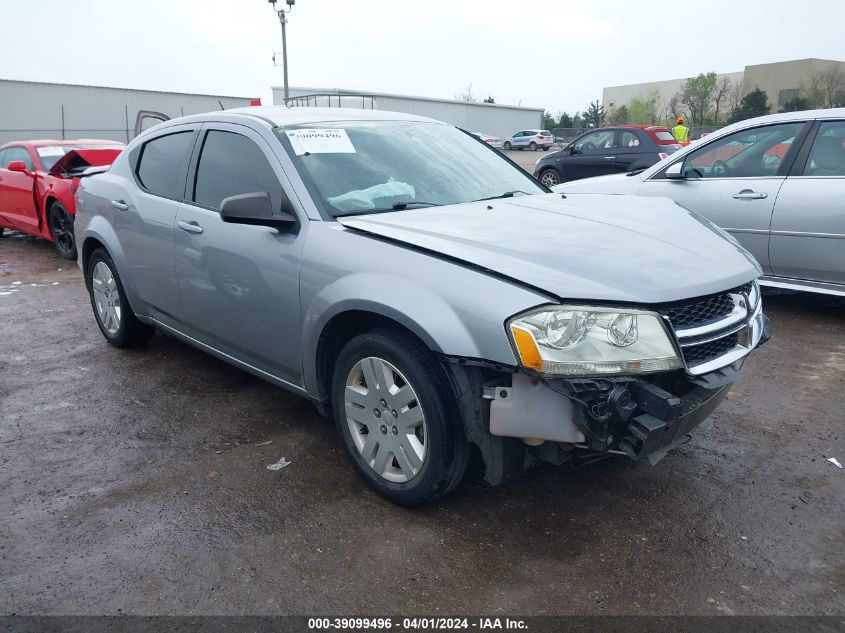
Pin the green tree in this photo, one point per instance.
(595, 115)
(619, 115)
(566, 120)
(755, 103)
(697, 95)
(489, 99)
(796, 104)
(549, 121)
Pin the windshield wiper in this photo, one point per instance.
(399, 206)
(507, 194)
(636, 171)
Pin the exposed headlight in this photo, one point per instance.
(754, 295)
(590, 341)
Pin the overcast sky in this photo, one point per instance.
(553, 54)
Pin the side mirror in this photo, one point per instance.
(18, 165)
(574, 150)
(256, 209)
(675, 171)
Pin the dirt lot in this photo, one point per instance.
(136, 482)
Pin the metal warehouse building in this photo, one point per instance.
(30, 110)
(489, 118)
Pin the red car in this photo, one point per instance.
(37, 183)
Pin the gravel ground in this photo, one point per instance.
(136, 482)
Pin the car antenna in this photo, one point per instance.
(221, 104)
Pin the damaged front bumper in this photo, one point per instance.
(641, 417)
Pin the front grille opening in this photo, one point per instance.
(703, 311)
(705, 352)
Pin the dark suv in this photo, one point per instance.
(607, 150)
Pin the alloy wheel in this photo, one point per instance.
(106, 298)
(385, 419)
(549, 178)
(62, 229)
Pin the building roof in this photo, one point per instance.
(364, 93)
(169, 92)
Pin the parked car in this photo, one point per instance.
(609, 150)
(430, 300)
(37, 182)
(492, 141)
(530, 139)
(776, 183)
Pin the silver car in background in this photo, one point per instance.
(442, 306)
(776, 183)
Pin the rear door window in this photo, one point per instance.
(629, 139)
(230, 164)
(827, 156)
(163, 164)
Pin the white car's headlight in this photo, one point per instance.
(591, 341)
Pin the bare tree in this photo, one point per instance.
(467, 95)
(832, 85)
(723, 89)
(735, 95)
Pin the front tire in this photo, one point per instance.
(506, 146)
(114, 316)
(61, 228)
(532, 146)
(395, 414)
(549, 177)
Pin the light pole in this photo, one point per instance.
(283, 20)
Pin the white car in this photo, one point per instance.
(530, 139)
(776, 183)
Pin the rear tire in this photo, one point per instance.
(61, 228)
(114, 316)
(395, 413)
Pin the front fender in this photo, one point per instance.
(432, 319)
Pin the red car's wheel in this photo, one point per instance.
(61, 228)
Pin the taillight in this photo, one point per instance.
(663, 155)
(540, 137)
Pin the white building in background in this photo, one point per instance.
(489, 118)
(36, 110)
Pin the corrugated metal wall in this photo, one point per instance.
(499, 120)
(30, 110)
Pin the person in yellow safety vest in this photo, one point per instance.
(681, 132)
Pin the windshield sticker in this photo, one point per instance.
(51, 151)
(324, 141)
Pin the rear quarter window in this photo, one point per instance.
(663, 136)
(163, 163)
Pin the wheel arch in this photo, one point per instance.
(100, 233)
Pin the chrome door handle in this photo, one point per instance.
(120, 205)
(610, 157)
(747, 194)
(190, 227)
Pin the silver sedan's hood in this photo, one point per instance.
(584, 247)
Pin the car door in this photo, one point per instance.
(734, 181)
(16, 191)
(593, 154)
(239, 283)
(145, 216)
(518, 139)
(632, 150)
(808, 223)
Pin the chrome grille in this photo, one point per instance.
(708, 328)
(705, 352)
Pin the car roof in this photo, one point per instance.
(282, 116)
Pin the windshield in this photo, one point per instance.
(50, 155)
(369, 167)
